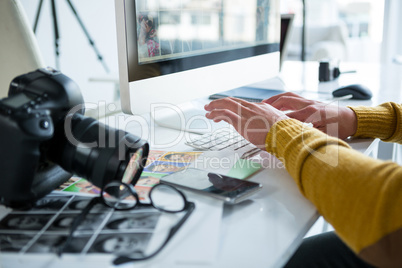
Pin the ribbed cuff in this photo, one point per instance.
(375, 122)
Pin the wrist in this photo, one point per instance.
(351, 121)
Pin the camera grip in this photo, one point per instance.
(18, 167)
(21, 136)
(47, 178)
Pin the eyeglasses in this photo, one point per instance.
(123, 196)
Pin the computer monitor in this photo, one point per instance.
(171, 52)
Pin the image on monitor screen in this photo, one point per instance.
(173, 36)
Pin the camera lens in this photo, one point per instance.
(98, 152)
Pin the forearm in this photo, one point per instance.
(358, 195)
(383, 122)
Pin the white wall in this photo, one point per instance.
(77, 58)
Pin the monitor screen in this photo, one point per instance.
(173, 51)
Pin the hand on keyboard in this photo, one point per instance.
(252, 120)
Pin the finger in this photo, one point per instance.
(243, 102)
(225, 102)
(274, 98)
(228, 116)
(286, 103)
(235, 105)
(218, 104)
(309, 115)
(248, 106)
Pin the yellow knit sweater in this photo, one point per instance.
(361, 197)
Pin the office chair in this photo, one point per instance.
(19, 51)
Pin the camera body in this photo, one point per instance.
(36, 103)
(45, 138)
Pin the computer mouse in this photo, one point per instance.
(358, 92)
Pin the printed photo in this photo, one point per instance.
(143, 193)
(149, 180)
(79, 203)
(47, 244)
(165, 167)
(83, 186)
(122, 244)
(51, 203)
(79, 244)
(14, 242)
(45, 227)
(132, 221)
(154, 155)
(183, 157)
(28, 222)
(91, 222)
(66, 184)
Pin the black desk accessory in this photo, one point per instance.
(358, 92)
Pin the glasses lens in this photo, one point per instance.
(167, 198)
(119, 196)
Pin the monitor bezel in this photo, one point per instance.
(190, 82)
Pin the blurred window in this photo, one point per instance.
(363, 20)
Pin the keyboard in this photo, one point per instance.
(221, 96)
(222, 139)
(249, 93)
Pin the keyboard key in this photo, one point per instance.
(218, 140)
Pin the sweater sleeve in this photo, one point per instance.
(383, 122)
(360, 196)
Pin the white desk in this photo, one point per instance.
(265, 231)
(261, 232)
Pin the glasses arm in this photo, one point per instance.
(190, 208)
(77, 221)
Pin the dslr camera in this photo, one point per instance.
(45, 138)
